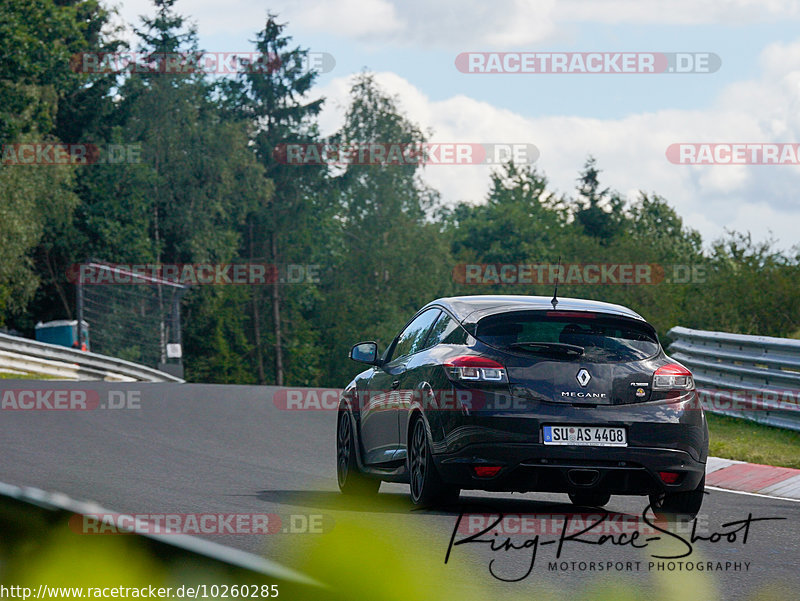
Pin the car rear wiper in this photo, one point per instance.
(555, 348)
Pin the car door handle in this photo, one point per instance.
(395, 384)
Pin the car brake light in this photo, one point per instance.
(669, 477)
(476, 369)
(576, 314)
(486, 471)
(673, 377)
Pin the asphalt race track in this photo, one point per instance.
(191, 448)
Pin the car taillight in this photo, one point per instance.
(486, 471)
(673, 377)
(669, 477)
(476, 369)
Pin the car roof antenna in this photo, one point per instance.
(554, 300)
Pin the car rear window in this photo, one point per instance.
(603, 338)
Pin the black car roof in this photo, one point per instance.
(470, 309)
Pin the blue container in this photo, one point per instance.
(63, 332)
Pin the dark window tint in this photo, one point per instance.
(413, 336)
(603, 338)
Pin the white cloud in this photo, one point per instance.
(677, 12)
(631, 150)
(516, 23)
(457, 23)
(352, 18)
(361, 19)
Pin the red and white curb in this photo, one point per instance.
(753, 478)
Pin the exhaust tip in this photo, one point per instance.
(583, 477)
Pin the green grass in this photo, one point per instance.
(4, 375)
(744, 440)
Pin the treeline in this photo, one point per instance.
(210, 188)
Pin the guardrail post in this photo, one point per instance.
(79, 308)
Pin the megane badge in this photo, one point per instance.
(583, 377)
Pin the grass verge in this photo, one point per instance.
(4, 375)
(744, 440)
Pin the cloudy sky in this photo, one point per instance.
(626, 121)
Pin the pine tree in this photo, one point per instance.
(598, 211)
(269, 95)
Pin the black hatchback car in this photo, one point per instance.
(518, 393)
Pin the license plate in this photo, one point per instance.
(595, 436)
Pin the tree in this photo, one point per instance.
(598, 211)
(36, 90)
(652, 222)
(187, 199)
(754, 288)
(39, 38)
(520, 220)
(270, 95)
(390, 258)
(32, 200)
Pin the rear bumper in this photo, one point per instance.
(668, 437)
(536, 467)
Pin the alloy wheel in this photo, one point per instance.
(343, 449)
(419, 457)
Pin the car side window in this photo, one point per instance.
(412, 338)
(445, 330)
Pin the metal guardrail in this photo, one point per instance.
(29, 515)
(31, 356)
(749, 377)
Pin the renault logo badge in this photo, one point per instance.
(583, 377)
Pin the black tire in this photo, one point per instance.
(679, 505)
(351, 481)
(589, 499)
(427, 486)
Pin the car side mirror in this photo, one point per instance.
(365, 352)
